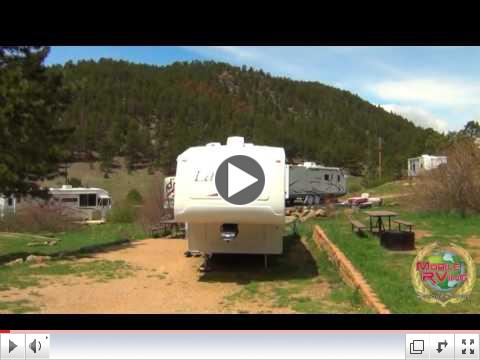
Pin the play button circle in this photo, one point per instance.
(239, 180)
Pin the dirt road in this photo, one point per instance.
(163, 280)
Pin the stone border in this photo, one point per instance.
(348, 272)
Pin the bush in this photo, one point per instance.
(122, 213)
(75, 182)
(454, 186)
(134, 197)
(40, 217)
(153, 210)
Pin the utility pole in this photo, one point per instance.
(380, 151)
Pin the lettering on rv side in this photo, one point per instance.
(204, 175)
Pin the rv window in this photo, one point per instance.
(338, 178)
(103, 202)
(10, 202)
(326, 177)
(88, 200)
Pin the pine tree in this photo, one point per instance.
(34, 134)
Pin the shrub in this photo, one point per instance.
(134, 197)
(122, 213)
(153, 211)
(454, 186)
(40, 217)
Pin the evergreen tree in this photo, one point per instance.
(34, 134)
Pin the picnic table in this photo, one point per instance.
(378, 216)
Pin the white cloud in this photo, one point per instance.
(432, 91)
(238, 51)
(418, 116)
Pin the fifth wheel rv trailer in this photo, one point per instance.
(214, 225)
(83, 202)
(312, 183)
(424, 163)
(7, 205)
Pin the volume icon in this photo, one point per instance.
(35, 346)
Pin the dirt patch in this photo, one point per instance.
(419, 234)
(165, 281)
(160, 279)
(473, 244)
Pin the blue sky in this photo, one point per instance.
(436, 87)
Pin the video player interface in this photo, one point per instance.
(346, 345)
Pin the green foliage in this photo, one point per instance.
(75, 182)
(34, 133)
(354, 185)
(134, 197)
(122, 213)
(150, 114)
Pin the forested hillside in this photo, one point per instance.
(150, 114)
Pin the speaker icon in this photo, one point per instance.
(35, 346)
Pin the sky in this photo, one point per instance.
(436, 87)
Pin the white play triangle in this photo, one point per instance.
(238, 180)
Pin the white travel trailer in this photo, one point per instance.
(7, 205)
(169, 192)
(424, 163)
(83, 202)
(312, 183)
(214, 225)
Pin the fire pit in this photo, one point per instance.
(398, 240)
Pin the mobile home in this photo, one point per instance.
(83, 202)
(312, 183)
(7, 205)
(214, 225)
(424, 163)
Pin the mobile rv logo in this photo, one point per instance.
(443, 274)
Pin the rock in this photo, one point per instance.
(15, 262)
(37, 259)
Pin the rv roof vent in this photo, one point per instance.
(235, 141)
(67, 187)
(309, 164)
(214, 144)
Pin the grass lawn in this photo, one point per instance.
(389, 272)
(89, 235)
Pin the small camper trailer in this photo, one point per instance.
(312, 183)
(7, 205)
(83, 202)
(214, 225)
(169, 192)
(424, 163)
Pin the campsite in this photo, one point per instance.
(115, 276)
(203, 187)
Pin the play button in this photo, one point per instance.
(239, 180)
(11, 346)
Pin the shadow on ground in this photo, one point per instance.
(296, 262)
